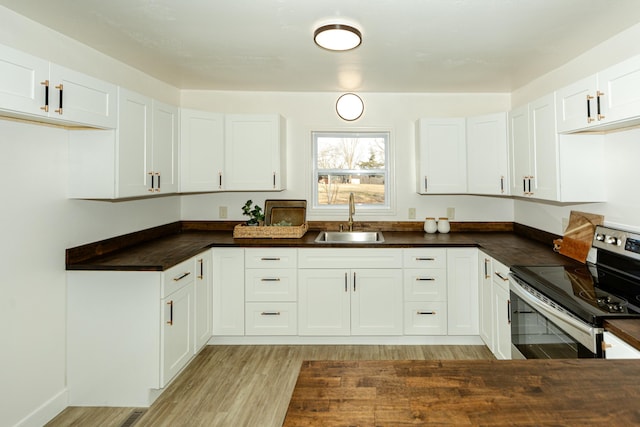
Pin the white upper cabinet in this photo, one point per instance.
(606, 100)
(139, 158)
(255, 152)
(441, 156)
(201, 151)
(34, 88)
(548, 166)
(487, 154)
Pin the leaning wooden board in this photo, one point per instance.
(578, 236)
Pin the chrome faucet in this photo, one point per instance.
(352, 211)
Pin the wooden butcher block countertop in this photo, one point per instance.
(576, 392)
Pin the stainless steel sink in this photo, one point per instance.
(350, 237)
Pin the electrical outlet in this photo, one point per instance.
(451, 213)
(222, 212)
(412, 213)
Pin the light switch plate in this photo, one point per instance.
(222, 212)
(412, 213)
(451, 213)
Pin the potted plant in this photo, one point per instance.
(255, 214)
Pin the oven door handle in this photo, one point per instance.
(582, 332)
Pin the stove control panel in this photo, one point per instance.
(621, 242)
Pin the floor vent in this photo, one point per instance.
(133, 418)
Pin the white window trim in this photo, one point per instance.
(368, 210)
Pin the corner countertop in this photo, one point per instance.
(164, 252)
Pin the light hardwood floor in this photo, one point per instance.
(247, 385)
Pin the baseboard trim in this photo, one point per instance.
(351, 340)
(47, 411)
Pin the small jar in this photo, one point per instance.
(430, 225)
(443, 225)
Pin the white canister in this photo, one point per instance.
(430, 225)
(443, 225)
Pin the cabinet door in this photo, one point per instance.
(134, 145)
(324, 302)
(576, 106)
(544, 138)
(520, 148)
(462, 298)
(228, 292)
(376, 302)
(502, 307)
(254, 152)
(203, 300)
(620, 91)
(177, 332)
(23, 84)
(201, 151)
(487, 316)
(165, 147)
(441, 156)
(487, 159)
(79, 98)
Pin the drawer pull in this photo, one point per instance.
(426, 312)
(270, 259)
(270, 279)
(425, 279)
(201, 263)
(425, 259)
(270, 313)
(182, 276)
(500, 275)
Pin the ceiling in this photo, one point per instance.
(408, 45)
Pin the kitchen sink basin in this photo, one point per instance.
(350, 237)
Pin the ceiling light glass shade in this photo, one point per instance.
(349, 107)
(337, 37)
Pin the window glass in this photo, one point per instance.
(351, 162)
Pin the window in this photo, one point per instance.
(351, 162)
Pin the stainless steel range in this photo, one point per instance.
(558, 311)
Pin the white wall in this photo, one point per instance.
(37, 224)
(306, 112)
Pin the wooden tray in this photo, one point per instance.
(293, 212)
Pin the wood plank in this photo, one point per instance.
(475, 392)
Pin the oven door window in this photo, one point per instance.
(536, 337)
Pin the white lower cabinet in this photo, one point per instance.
(425, 291)
(462, 291)
(228, 291)
(615, 348)
(129, 333)
(271, 289)
(203, 299)
(495, 306)
(349, 292)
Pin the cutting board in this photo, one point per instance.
(578, 236)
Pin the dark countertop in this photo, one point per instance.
(575, 392)
(164, 252)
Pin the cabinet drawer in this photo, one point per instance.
(425, 284)
(349, 258)
(271, 318)
(178, 277)
(425, 258)
(270, 284)
(425, 318)
(262, 258)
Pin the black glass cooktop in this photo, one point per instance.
(591, 293)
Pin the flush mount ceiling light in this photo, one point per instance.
(349, 107)
(337, 37)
